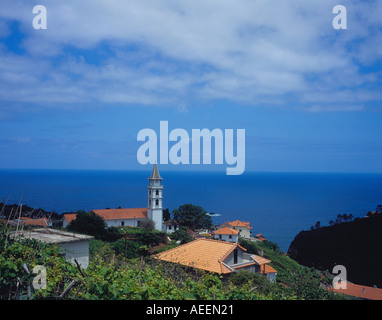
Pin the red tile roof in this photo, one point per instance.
(114, 214)
(203, 254)
(238, 223)
(227, 230)
(260, 237)
(269, 269)
(69, 217)
(260, 260)
(36, 222)
(360, 291)
(129, 213)
(42, 222)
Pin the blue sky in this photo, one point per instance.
(74, 96)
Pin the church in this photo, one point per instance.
(133, 216)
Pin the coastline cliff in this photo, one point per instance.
(355, 244)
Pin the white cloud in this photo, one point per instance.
(333, 108)
(165, 52)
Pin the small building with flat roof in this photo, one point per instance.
(71, 245)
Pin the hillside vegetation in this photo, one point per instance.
(111, 276)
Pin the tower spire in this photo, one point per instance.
(155, 173)
(155, 191)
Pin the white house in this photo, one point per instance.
(71, 245)
(170, 226)
(244, 228)
(227, 234)
(133, 216)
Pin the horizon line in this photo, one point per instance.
(188, 170)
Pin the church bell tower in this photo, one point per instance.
(155, 196)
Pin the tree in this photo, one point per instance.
(339, 219)
(88, 223)
(348, 217)
(181, 235)
(149, 238)
(192, 217)
(166, 215)
(316, 226)
(343, 218)
(126, 248)
(147, 225)
(249, 246)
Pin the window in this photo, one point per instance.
(157, 192)
(122, 223)
(230, 236)
(235, 256)
(157, 202)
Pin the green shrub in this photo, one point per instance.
(250, 246)
(181, 235)
(149, 238)
(95, 246)
(131, 248)
(109, 277)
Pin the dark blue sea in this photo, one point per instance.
(279, 205)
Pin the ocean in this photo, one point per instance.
(278, 205)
